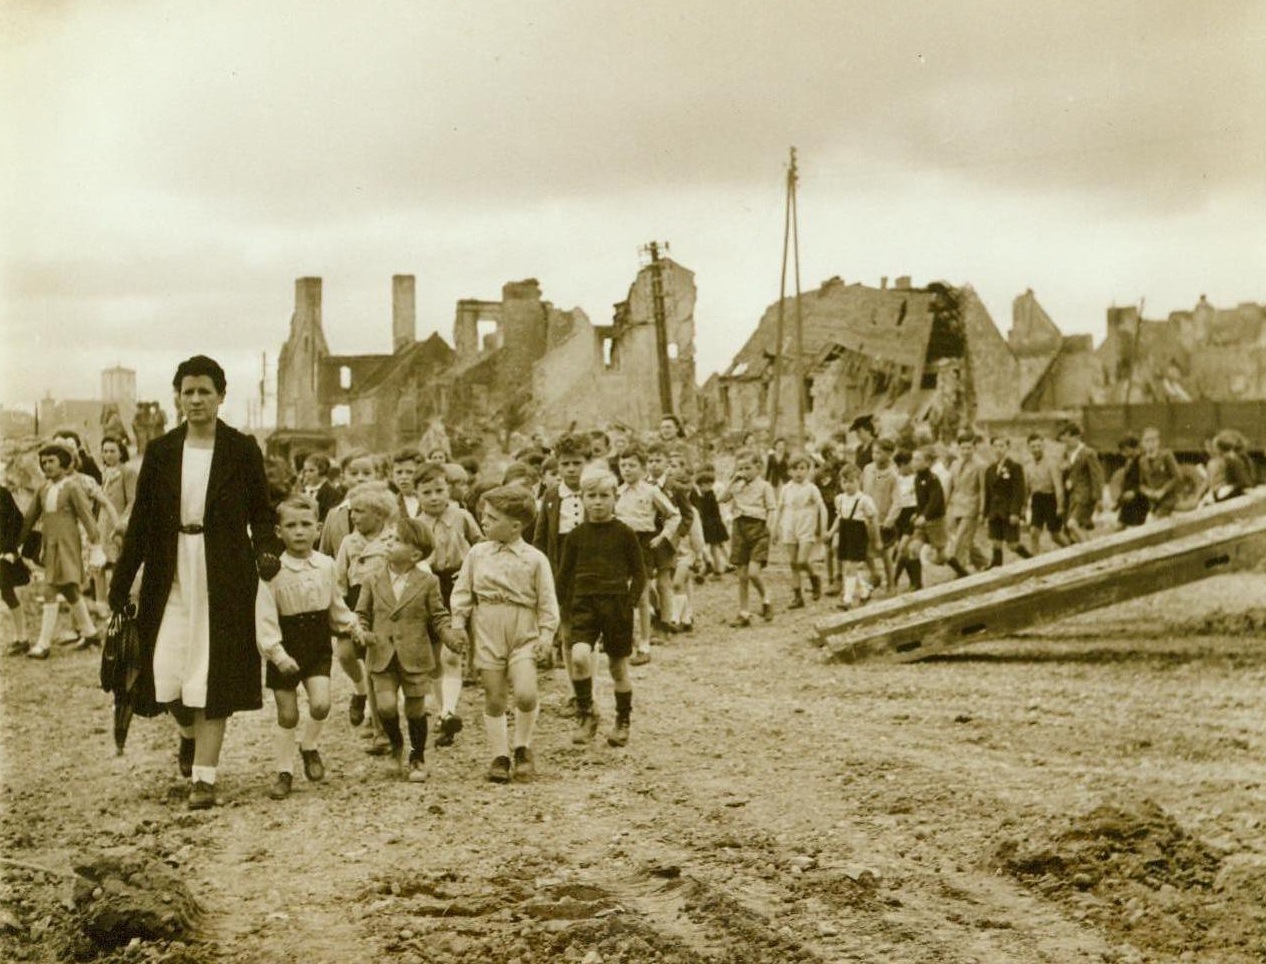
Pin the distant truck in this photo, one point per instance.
(1184, 426)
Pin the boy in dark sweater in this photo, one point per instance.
(600, 579)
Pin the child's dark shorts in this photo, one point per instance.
(1044, 512)
(854, 541)
(1001, 529)
(656, 558)
(609, 616)
(749, 541)
(905, 521)
(306, 638)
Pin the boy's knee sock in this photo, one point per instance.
(48, 624)
(450, 691)
(417, 735)
(203, 774)
(623, 705)
(18, 616)
(498, 734)
(391, 729)
(584, 694)
(850, 587)
(311, 733)
(524, 724)
(82, 618)
(284, 750)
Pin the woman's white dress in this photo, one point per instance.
(182, 653)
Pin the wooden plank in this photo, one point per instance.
(1251, 506)
(913, 636)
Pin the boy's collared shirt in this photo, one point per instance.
(509, 573)
(752, 498)
(305, 585)
(636, 506)
(453, 532)
(1044, 475)
(881, 486)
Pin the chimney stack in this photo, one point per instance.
(404, 320)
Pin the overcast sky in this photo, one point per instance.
(167, 169)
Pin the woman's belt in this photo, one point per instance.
(192, 529)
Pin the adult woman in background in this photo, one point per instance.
(200, 516)
(118, 482)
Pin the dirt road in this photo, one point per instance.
(1096, 792)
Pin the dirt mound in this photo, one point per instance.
(1133, 869)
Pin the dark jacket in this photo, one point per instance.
(928, 495)
(545, 532)
(237, 501)
(1004, 489)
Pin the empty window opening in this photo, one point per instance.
(341, 415)
(344, 377)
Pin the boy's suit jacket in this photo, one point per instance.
(409, 627)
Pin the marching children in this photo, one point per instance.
(905, 507)
(601, 577)
(965, 500)
(688, 563)
(1084, 483)
(800, 523)
(405, 623)
(715, 535)
(308, 606)
(404, 467)
(1133, 505)
(562, 509)
(857, 525)
(753, 500)
(63, 507)
(1004, 502)
(453, 531)
(13, 572)
(638, 503)
(929, 517)
(1045, 482)
(504, 599)
(358, 467)
(879, 481)
(361, 555)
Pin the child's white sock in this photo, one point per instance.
(311, 733)
(679, 607)
(524, 724)
(48, 624)
(83, 619)
(864, 588)
(206, 774)
(450, 691)
(498, 734)
(283, 751)
(850, 586)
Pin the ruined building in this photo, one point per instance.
(929, 354)
(934, 355)
(514, 363)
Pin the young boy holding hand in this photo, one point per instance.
(504, 598)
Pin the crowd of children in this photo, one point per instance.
(418, 574)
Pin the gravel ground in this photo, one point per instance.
(1095, 790)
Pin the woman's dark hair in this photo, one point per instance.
(120, 444)
(201, 365)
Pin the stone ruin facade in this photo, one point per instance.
(934, 356)
(515, 363)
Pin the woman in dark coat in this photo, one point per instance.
(201, 516)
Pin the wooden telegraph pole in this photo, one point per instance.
(661, 328)
(790, 245)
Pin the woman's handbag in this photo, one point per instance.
(121, 652)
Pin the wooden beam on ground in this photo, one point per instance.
(930, 630)
(1019, 572)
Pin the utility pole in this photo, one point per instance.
(790, 230)
(661, 327)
